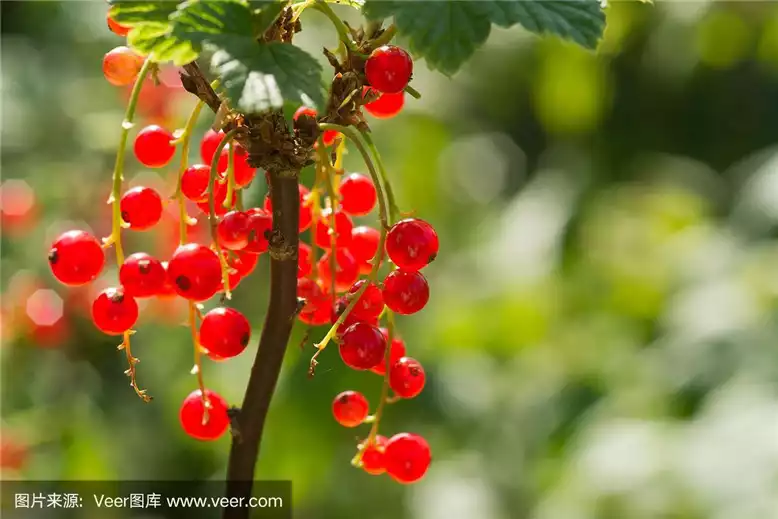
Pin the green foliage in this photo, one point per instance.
(447, 33)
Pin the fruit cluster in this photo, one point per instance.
(329, 288)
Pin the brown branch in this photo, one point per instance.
(194, 82)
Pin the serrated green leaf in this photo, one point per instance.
(261, 77)
(582, 21)
(131, 12)
(264, 13)
(156, 38)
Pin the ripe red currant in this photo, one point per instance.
(219, 196)
(244, 174)
(407, 457)
(194, 183)
(407, 377)
(386, 106)
(142, 275)
(339, 307)
(208, 145)
(358, 194)
(396, 352)
(260, 225)
(346, 270)
(328, 136)
(141, 208)
(362, 346)
(389, 69)
(373, 456)
(350, 408)
(342, 227)
(370, 303)
(304, 260)
(195, 271)
(243, 262)
(121, 66)
(364, 242)
(76, 258)
(225, 332)
(233, 230)
(115, 27)
(113, 312)
(406, 292)
(202, 424)
(412, 244)
(153, 146)
(306, 215)
(168, 290)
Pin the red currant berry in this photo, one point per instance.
(386, 106)
(244, 174)
(142, 275)
(114, 312)
(343, 227)
(202, 424)
(243, 262)
(389, 69)
(233, 276)
(208, 145)
(233, 230)
(225, 332)
(153, 146)
(364, 243)
(168, 290)
(373, 456)
(346, 272)
(260, 226)
(115, 27)
(370, 303)
(219, 196)
(412, 244)
(358, 194)
(306, 215)
(407, 377)
(362, 346)
(328, 136)
(407, 457)
(121, 66)
(194, 183)
(317, 316)
(406, 292)
(304, 260)
(339, 307)
(141, 208)
(195, 271)
(310, 290)
(396, 352)
(76, 258)
(350, 408)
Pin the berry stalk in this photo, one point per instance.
(394, 211)
(212, 210)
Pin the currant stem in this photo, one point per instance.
(230, 178)
(212, 210)
(329, 173)
(343, 32)
(413, 92)
(184, 139)
(394, 211)
(385, 37)
(198, 365)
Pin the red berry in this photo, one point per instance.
(310, 290)
(346, 272)
(317, 316)
(406, 292)
(76, 258)
(328, 136)
(386, 106)
(168, 289)
(244, 173)
(208, 145)
(243, 262)
(306, 216)
(141, 208)
(233, 276)
(121, 66)
(407, 377)
(412, 244)
(362, 346)
(194, 183)
(407, 457)
(142, 275)
(396, 352)
(225, 332)
(358, 194)
(343, 227)
(304, 260)
(339, 307)
(350, 408)
(201, 424)
(113, 312)
(153, 146)
(219, 196)
(364, 243)
(370, 303)
(373, 456)
(260, 225)
(389, 69)
(195, 271)
(115, 27)
(233, 230)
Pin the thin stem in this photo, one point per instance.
(230, 179)
(185, 138)
(328, 172)
(198, 365)
(394, 211)
(343, 31)
(385, 37)
(212, 210)
(413, 92)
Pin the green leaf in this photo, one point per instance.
(261, 77)
(131, 12)
(357, 4)
(582, 21)
(157, 39)
(264, 13)
(447, 32)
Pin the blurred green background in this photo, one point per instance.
(601, 339)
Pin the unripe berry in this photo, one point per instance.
(407, 377)
(412, 244)
(142, 275)
(225, 332)
(76, 258)
(406, 292)
(358, 194)
(362, 346)
(350, 408)
(121, 66)
(153, 146)
(198, 423)
(113, 312)
(195, 271)
(141, 208)
(389, 69)
(407, 457)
